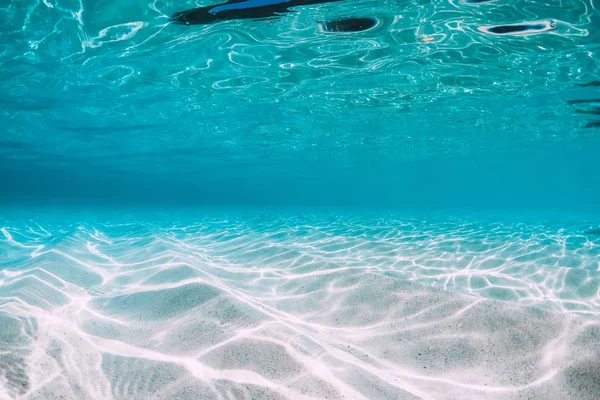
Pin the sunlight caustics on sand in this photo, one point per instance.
(298, 307)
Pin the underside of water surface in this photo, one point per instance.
(299, 199)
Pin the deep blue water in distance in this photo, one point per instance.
(266, 209)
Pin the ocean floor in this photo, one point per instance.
(298, 306)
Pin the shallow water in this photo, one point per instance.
(269, 209)
(299, 306)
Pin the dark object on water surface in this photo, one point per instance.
(583, 101)
(593, 124)
(595, 110)
(593, 232)
(239, 9)
(349, 25)
(592, 111)
(505, 29)
(589, 84)
(525, 28)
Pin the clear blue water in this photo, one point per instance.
(106, 102)
(263, 209)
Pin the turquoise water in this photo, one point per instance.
(272, 209)
(106, 102)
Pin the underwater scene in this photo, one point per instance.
(299, 199)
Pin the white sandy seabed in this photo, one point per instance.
(298, 308)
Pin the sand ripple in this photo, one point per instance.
(298, 307)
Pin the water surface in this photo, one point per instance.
(281, 209)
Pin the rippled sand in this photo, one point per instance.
(281, 306)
